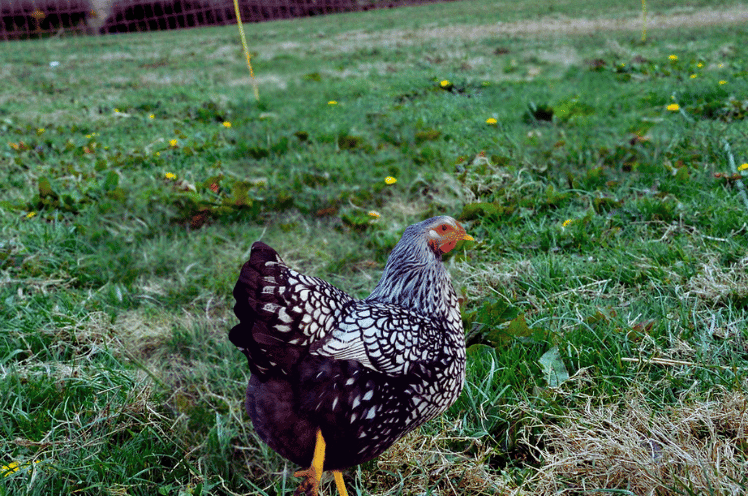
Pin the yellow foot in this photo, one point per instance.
(310, 485)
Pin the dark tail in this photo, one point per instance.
(256, 293)
(281, 312)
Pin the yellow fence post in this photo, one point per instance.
(246, 50)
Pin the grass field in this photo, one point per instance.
(605, 299)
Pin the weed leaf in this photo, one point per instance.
(553, 367)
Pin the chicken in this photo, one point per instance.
(336, 380)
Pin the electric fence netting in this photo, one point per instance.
(24, 19)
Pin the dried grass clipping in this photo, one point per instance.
(693, 448)
(431, 464)
(717, 284)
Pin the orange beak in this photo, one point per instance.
(465, 236)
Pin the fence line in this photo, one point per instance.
(23, 19)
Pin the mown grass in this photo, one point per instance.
(604, 301)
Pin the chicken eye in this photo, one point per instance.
(444, 227)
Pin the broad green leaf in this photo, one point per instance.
(500, 336)
(553, 367)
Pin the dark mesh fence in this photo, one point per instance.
(33, 18)
(22, 19)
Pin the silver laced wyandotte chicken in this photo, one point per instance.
(336, 380)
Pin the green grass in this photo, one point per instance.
(609, 282)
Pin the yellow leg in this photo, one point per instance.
(339, 482)
(310, 485)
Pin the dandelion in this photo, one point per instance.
(374, 213)
(673, 58)
(173, 143)
(152, 116)
(31, 215)
(444, 83)
(332, 102)
(13, 467)
(743, 167)
(170, 176)
(88, 136)
(40, 131)
(491, 121)
(693, 76)
(116, 111)
(722, 82)
(566, 223)
(9, 469)
(158, 154)
(226, 124)
(390, 180)
(673, 107)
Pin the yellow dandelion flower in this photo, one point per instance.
(674, 58)
(743, 167)
(444, 83)
(116, 110)
(374, 213)
(12, 467)
(694, 76)
(9, 469)
(170, 176)
(31, 215)
(332, 102)
(226, 124)
(88, 136)
(722, 82)
(173, 143)
(673, 107)
(158, 154)
(491, 121)
(566, 223)
(152, 116)
(40, 130)
(390, 180)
